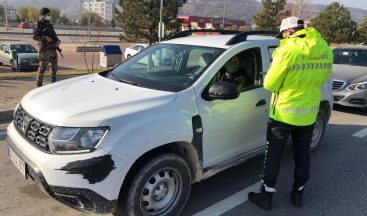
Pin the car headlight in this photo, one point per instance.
(357, 86)
(76, 140)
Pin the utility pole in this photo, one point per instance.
(224, 12)
(160, 21)
(89, 34)
(6, 15)
(300, 9)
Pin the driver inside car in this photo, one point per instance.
(234, 73)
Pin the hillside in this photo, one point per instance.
(246, 9)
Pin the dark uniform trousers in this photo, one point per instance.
(277, 136)
(46, 57)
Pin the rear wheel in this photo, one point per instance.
(128, 56)
(319, 130)
(161, 187)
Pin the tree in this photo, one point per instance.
(2, 10)
(335, 24)
(271, 15)
(55, 14)
(63, 20)
(22, 13)
(33, 14)
(95, 19)
(362, 31)
(140, 19)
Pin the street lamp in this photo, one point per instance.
(224, 12)
(89, 20)
(6, 15)
(160, 29)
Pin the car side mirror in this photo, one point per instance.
(222, 91)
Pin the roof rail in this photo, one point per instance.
(242, 36)
(189, 32)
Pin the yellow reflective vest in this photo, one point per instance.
(301, 65)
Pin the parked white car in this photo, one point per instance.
(159, 126)
(134, 49)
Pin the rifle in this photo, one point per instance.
(48, 32)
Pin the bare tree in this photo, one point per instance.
(86, 45)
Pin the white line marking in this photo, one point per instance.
(228, 203)
(361, 133)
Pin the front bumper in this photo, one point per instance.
(351, 98)
(76, 189)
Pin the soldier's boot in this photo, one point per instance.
(53, 78)
(263, 199)
(297, 197)
(39, 83)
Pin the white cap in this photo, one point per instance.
(290, 22)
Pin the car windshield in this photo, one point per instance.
(166, 67)
(23, 48)
(356, 57)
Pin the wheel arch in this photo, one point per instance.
(184, 149)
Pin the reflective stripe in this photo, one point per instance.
(300, 110)
(310, 66)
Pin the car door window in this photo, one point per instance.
(271, 51)
(243, 69)
(2, 47)
(6, 49)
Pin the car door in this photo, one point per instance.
(2, 49)
(7, 58)
(232, 128)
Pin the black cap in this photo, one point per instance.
(44, 11)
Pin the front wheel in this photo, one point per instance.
(160, 188)
(128, 56)
(13, 66)
(319, 130)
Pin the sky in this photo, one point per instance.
(348, 3)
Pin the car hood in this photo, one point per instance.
(28, 55)
(89, 100)
(349, 73)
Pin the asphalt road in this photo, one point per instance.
(337, 186)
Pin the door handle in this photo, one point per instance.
(261, 103)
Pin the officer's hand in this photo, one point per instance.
(48, 39)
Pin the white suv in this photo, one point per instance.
(134, 139)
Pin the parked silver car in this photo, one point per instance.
(350, 76)
(19, 56)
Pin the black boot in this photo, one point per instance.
(39, 84)
(297, 197)
(263, 199)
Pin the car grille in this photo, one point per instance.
(337, 84)
(33, 130)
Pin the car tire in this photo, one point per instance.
(1, 64)
(160, 187)
(13, 66)
(128, 56)
(319, 131)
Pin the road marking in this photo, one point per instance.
(228, 203)
(360, 134)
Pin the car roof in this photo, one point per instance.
(359, 47)
(218, 41)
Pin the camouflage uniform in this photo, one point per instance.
(47, 51)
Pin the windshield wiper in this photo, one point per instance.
(125, 81)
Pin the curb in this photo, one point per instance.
(6, 116)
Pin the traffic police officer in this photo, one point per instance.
(44, 33)
(301, 65)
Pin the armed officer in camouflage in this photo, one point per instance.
(48, 42)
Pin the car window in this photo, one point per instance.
(271, 51)
(243, 69)
(167, 67)
(2, 47)
(356, 57)
(135, 47)
(23, 48)
(6, 48)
